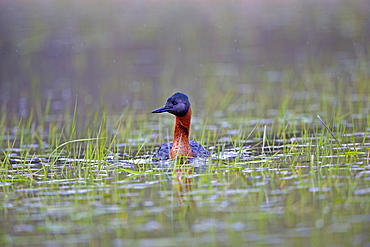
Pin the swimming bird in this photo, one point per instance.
(179, 105)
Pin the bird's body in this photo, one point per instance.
(179, 105)
(164, 150)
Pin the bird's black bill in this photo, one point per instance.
(162, 109)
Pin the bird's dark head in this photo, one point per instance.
(178, 105)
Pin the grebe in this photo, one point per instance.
(179, 105)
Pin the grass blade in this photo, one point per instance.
(332, 134)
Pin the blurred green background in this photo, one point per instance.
(137, 53)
